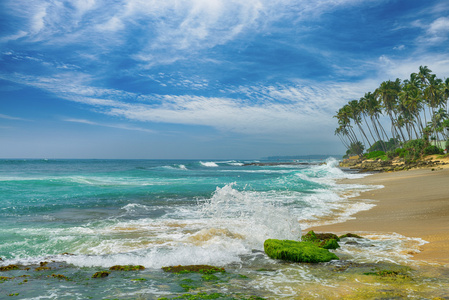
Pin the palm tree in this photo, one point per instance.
(374, 110)
(434, 97)
(388, 94)
(355, 111)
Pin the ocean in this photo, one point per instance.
(77, 217)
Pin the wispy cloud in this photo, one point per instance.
(2, 116)
(117, 126)
(167, 30)
(272, 110)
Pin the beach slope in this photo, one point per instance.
(413, 203)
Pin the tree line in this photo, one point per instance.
(416, 107)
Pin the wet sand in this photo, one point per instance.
(413, 203)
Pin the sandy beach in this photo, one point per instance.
(413, 203)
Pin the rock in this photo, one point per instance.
(322, 240)
(351, 235)
(307, 252)
(9, 268)
(126, 268)
(101, 274)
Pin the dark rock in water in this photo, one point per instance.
(351, 235)
(322, 240)
(101, 274)
(352, 243)
(294, 251)
(193, 269)
(126, 268)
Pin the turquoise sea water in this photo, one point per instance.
(159, 213)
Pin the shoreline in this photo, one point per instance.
(413, 203)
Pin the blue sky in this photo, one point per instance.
(200, 78)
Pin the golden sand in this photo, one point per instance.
(413, 203)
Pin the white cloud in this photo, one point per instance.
(7, 117)
(14, 37)
(117, 126)
(169, 30)
(271, 110)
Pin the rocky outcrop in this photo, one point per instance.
(387, 166)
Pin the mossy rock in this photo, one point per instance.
(205, 269)
(4, 278)
(9, 268)
(59, 276)
(322, 240)
(350, 235)
(307, 252)
(126, 268)
(101, 274)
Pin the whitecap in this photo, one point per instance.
(208, 164)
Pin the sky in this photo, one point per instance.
(201, 79)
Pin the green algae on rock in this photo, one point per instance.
(59, 276)
(126, 268)
(9, 268)
(322, 240)
(205, 269)
(101, 274)
(307, 252)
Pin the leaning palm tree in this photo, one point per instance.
(388, 94)
(434, 97)
(374, 110)
(355, 110)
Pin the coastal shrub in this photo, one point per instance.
(430, 150)
(415, 149)
(390, 154)
(384, 146)
(374, 154)
(355, 149)
(295, 251)
(400, 152)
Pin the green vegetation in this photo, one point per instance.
(307, 252)
(417, 111)
(391, 274)
(374, 154)
(322, 240)
(204, 269)
(126, 268)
